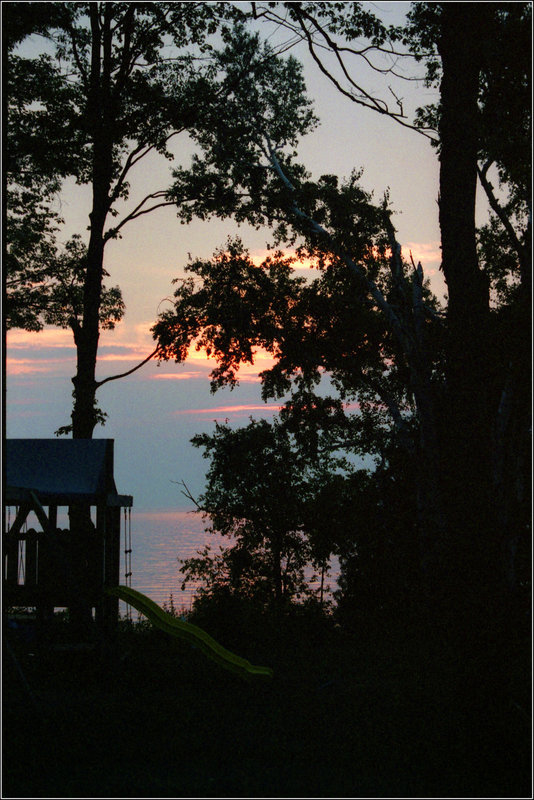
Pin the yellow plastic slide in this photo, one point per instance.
(191, 633)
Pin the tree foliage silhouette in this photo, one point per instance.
(124, 79)
(262, 492)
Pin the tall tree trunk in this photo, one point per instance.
(87, 337)
(430, 498)
(467, 437)
(277, 569)
(100, 117)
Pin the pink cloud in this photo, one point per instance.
(30, 366)
(132, 355)
(429, 252)
(246, 408)
(176, 376)
(244, 377)
(231, 411)
(201, 373)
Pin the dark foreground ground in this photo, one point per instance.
(395, 714)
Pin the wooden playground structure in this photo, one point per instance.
(79, 568)
(46, 567)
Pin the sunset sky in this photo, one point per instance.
(154, 413)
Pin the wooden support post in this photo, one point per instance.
(52, 517)
(30, 578)
(40, 513)
(45, 611)
(20, 519)
(11, 554)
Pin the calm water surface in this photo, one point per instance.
(159, 540)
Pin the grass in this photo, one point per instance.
(391, 714)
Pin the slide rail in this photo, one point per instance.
(191, 633)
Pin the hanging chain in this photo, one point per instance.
(128, 554)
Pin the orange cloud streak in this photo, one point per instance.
(49, 337)
(259, 256)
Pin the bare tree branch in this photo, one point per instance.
(297, 30)
(136, 155)
(137, 212)
(359, 96)
(518, 246)
(130, 371)
(187, 493)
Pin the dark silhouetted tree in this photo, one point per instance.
(261, 489)
(464, 373)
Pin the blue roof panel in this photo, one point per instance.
(65, 469)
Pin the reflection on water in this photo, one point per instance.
(159, 540)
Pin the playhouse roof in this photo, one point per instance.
(61, 471)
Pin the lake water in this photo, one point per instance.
(159, 540)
